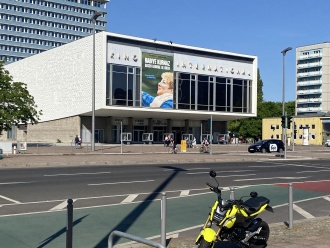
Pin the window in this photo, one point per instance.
(186, 91)
(125, 85)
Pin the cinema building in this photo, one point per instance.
(205, 89)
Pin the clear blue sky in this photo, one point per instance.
(254, 27)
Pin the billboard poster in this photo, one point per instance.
(157, 80)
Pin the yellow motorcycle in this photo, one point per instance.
(235, 221)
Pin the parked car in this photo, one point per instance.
(327, 143)
(270, 145)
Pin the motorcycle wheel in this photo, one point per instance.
(204, 244)
(260, 240)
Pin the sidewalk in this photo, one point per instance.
(307, 233)
(48, 155)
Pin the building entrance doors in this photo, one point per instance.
(99, 136)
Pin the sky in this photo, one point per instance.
(262, 28)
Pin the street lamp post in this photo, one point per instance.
(283, 99)
(96, 15)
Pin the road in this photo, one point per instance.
(126, 197)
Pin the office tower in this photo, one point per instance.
(30, 27)
(313, 79)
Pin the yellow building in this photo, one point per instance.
(310, 130)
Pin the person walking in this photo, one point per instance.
(76, 141)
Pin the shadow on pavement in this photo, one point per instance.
(133, 215)
(59, 233)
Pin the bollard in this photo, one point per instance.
(69, 225)
(163, 220)
(232, 193)
(14, 150)
(290, 206)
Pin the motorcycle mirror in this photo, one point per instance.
(253, 194)
(213, 174)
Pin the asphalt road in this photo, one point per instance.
(126, 198)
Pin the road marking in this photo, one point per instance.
(311, 171)
(9, 199)
(268, 178)
(61, 205)
(130, 198)
(8, 183)
(172, 236)
(203, 168)
(326, 198)
(309, 166)
(77, 174)
(302, 212)
(267, 166)
(222, 172)
(184, 192)
(97, 184)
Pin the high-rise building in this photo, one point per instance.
(30, 27)
(313, 79)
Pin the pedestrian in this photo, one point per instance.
(166, 141)
(205, 144)
(76, 141)
(79, 142)
(194, 143)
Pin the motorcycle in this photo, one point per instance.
(235, 221)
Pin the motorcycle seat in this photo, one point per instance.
(252, 205)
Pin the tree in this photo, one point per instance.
(17, 106)
(252, 127)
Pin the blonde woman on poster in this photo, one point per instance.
(164, 98)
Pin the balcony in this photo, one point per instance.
(310, 109)
(309, 74)
(309, 91)
(309, 65)
(310, 82)
(310, 56)
(310, 100)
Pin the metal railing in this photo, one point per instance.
(132, 237)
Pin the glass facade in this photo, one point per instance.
(191, 92)
(30, 27)
(124, 89)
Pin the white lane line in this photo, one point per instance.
(130, 198)
(77, 174)
(311, 171)
(203, 168)
(222, 172)
(326, 198)
(97, 184)
(184, 192)
(172, 236)
(9, 183)
(9, 199)
(308, 166)
(268, 178)
(61, 205)
(265, 166)
(302, 212)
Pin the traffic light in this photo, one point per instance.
(295, 133)
(289, 121)
(283, 121)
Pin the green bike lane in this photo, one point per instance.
(92, 226)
